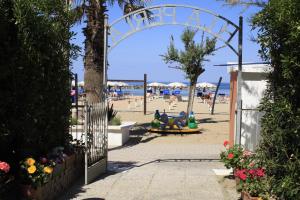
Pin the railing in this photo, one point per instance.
(96, 132)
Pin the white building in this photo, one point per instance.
(253, 87)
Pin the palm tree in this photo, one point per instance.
(191, 59)
(94, 12)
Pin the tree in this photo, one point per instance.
(191, 59)
(279, 37)
(94, 12)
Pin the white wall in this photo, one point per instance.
(253, 88)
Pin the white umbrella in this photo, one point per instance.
(156, 84)
(112, 84)
(205, 85)
(81, 83)
(118, 84)
(122, 84)
(177, 84)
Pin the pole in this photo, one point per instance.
(145, 93)
(239, 84)
(86, 115)
(216, 93)
(104, 92)
(76, 95)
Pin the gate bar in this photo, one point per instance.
(239, 84)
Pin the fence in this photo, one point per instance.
(95, 140)
(89, 130)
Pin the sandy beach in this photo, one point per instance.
(214, 128)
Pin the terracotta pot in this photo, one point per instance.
(246, 196)
(70, 161)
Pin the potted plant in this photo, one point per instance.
(253, 182)
(5, 177)
(33, 175)
(232, 156)
(118, 131)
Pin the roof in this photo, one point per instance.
(249, 68)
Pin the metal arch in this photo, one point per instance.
(172, 6)
(226, 42)
(238, 51)
(229, 22)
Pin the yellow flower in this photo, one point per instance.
(31, 169)
(260, 198)
(30, 161)
(48, 170)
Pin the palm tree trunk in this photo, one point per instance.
(94, 47)
(191, 97)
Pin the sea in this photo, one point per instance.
(223, 89)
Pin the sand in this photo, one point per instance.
(214, 128)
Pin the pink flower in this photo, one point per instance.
(230, 156)
(225, 143)
(251, 164)
(4, 167)
(247, 153)
(252, 172)
(260, 172)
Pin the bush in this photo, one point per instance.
(116, 121)
(34, 79)
(279, 36)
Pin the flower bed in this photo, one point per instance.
(248, 171)
(50, 181)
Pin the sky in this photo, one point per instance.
(141, 52)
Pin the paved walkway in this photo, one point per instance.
(155, 167)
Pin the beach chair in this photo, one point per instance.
(166, 94)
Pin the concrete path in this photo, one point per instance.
(155, 167)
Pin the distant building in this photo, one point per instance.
(254, 84)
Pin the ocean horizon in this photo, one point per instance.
(223, 89)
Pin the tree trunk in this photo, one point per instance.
(191, 97)
(94, 47)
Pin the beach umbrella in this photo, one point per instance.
(205, 85)
(177, 85)
(156, 84)
(81, 83)
(112, 84)
(122, 84)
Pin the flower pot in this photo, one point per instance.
(247, 196)
(70, 161)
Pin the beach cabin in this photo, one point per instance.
(253, 87)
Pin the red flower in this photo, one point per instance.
(243, 176)
(4, 167)
(230, 156)
(260, 172)
(252, 172)
(225, 143)
(44, 160)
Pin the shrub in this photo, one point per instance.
(111, 113)
(279, 36)
(34, 79)
(116, 121)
